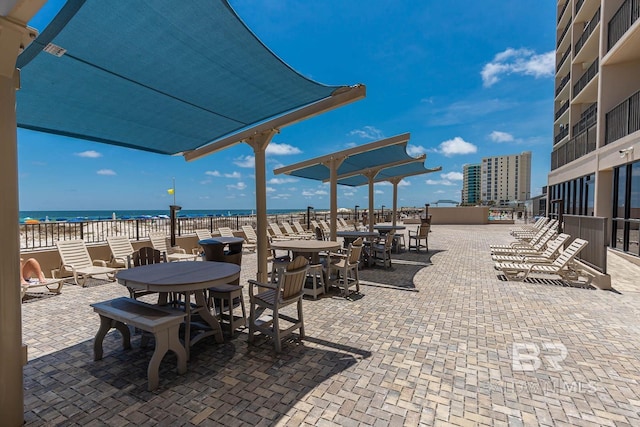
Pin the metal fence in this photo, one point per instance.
(594, 230)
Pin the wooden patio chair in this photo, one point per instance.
(286, 291)
(346, 266)
(381, 248)
(418, 236)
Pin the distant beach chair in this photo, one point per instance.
(291, 233)
(250, 237)
(226, 232)
(77, 262)
(203, 234)
(548, 255)
(159, 242)
(277, 232)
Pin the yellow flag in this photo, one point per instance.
(170, 191)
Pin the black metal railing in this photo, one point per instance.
(564, 33)
(565, 55)
(579, 4)
(563, 83)
(623, 119)
(622, 20)
(587, 118)
(564, 107)
(560, 135)
(594, 230)
(578, 146)
(564, 8)
(584, 80)
(588, 29)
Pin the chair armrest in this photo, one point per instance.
(253, 283)
(99, 262)
(176, 250)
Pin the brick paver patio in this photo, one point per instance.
(439, 339)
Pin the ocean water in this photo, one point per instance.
(143, 213)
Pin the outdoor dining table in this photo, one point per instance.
(367, 236)
(384, 229)
(184, 277)
(311, 247)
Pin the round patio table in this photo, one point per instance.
(184, 277)
(312, 247)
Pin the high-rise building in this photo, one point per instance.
(506, 179)
(595, 160)
(471, 184)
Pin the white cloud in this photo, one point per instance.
(309, 193)
(235, 175)
(368, 132)
(270, 190)
(379, 192)
(276, 181)
(497, 136)
(455, 146)
(518, 61)
(282, 149)
(239, 186)
(348, 193)
(415, 150)
(281, 196)
(212, 173)
(452, 176)
(245, 161)
(404, 183)
(439, 182)
(206, 181)
(106, 172)
(91, 154)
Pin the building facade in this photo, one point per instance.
(506, 180)
(471, 184)
(595, 160)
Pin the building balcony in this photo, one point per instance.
(563, 59)
(578, 146)
(561, 14)
(623, 42)
(584, 80)
(563, 34)
(563, 108)
(623, 119)
(563, 84)
(561, 135)
(622, 20)
(588, 30)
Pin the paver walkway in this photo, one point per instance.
(439, 339)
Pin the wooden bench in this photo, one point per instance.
(163, 323)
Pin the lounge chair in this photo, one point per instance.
(159, 242)
(300, 229)
(288, 290)
(530, 235)
(346, 265)
(77, 262)
(325, 226)
(226, 232)
(250, 238)
(536, 244)
(121, 251)
(48, 283)
(530, 227)
(291, 233)
(546, 256)
(561, 266)
(203, 234)
(277, 233)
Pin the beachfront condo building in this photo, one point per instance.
(506, 180)
(595, 160)
(471, 184)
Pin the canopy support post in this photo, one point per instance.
(395, 183)
(259, 143)
(334, 163)
(371, 176)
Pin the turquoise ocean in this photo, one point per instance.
(142, 214)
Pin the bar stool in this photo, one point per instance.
(318, 286)
(223, 298)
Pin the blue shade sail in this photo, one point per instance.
(156, 75)
(390, 173)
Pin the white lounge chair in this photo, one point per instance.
(548, 255)
(159, 242)
(538, 244)
(277, 233)
(77, 262)
(226, 232)
(121, 251)
(291, 233)
(562, 266)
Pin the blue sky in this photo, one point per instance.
(467, 80)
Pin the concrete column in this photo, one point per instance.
(11, 362)
(259, 143)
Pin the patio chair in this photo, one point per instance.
(530, 227)
(288, 290)
(77, 262)
(226, 232)
(346, 267)
(381, 248)
(300, 229)
(203, 234)
(291, 233)
(561, 266)
(320, 234)
(250, 238)
(548, 255)
(418, 236)
(325, 226)
(121, 251)
(144, 256)
(531, 235)
(159, 242)
(277, 233)
(343, 224)
(277, 262)
(536, 244)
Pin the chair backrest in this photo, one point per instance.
(355, 248)
(287, 228)
(540, 222)
(250, 234)
(298, 227)
(293, 277)
(159, 241)
(325, 226)
(388, 242)
(555, 245)
(203, 234)
(75, 253)
(319, 234)
(120, 246)
(225, 232)
(277, 232)
(147, 255)
(544, 239)
(423, 230)
(343, 222)
(569, 253)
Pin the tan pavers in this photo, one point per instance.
(432, 341)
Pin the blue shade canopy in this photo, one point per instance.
(385, 160)
(155, 75)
